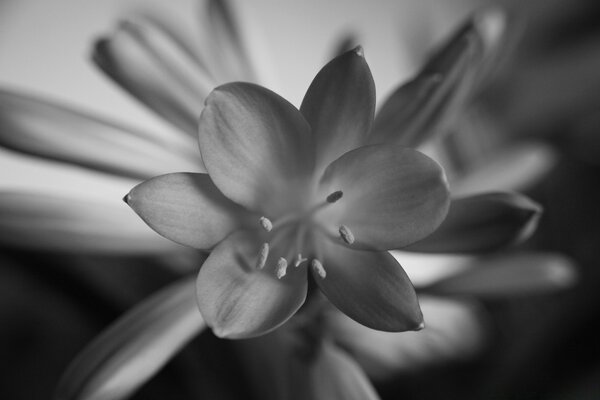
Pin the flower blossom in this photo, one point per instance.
(290, 192)
(147, 60)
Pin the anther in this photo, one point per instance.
(281, 267)
(299, 260)
(346, 234)
(318, 268)
(266, 223)
(335, 196)
(263, 254)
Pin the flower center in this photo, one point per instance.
(297, 229)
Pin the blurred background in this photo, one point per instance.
(535, 113)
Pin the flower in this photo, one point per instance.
(146, 58)
(289, 191)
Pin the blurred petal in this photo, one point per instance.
(481, 223)
(513, 168)
(505, 276)
(370, 287)
(256, 147)
(41, 128)
(297, 365)
(339, 106)
(186, 208)
(420, 108)
(393, 196)
(225, 42)
(335, 376)
(239, 300)
(155, 71)
(135, 347)
(60, 223)
(454, 331)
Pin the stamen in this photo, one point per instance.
(335, 196)
(281, 267)
(318, 268)
(346, 234)
(263, 254)
(266, 223)
(299, 260)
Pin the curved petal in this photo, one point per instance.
(239, 300)
(62, 223)
(41, 128)
(418, 109)
(392, 196)
(148, 64)
(371, 288)
(135, 347)
(483, 223)
(256, 147)
(506, 276)
(339, 106)
(186, 208)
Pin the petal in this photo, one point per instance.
(256, 147)
(333, 375)
(393, 196)
(483, 223)
(339, 106)
(370, 287)
(67, 224)
(506, 276)
(186, 208)
(41, 128)
(154, 69)
(297, 364)
(135, 347)
(455, 331)
(225, 42)
(513, 168)
(419, 109)
(238, 300)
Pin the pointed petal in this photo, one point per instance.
(256, 146)
(186, 208)
(339, 106)
(41, 128)
(62, 223)
(483, 223)
(419, 109)
(154, 69)
(239, 300)
(511, 275)
(370, 287)
(393, 196)
(335, 376)
(135, 347)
